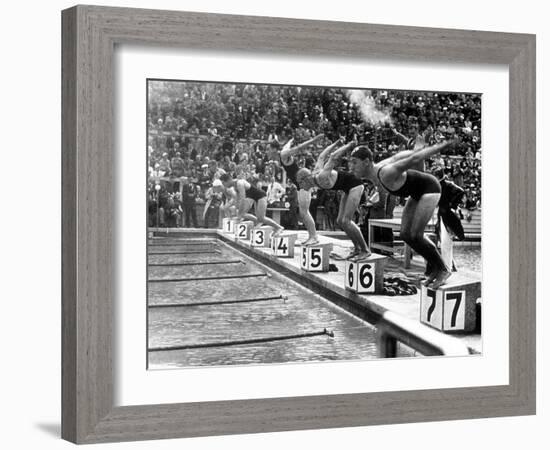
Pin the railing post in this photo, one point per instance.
(387, 344)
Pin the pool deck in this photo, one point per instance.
(369, 307)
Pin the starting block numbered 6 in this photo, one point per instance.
(316, 258)
(283, 246)
(243, 230)
(452, 307)
(261, 236)
(366, 276)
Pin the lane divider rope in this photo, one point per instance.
(244, 341)
(198, 263)
(223, 277)
(191, 252)
(223, 302)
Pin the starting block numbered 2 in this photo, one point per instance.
(366, 276)
(243, 230)
(452, 307)
(261, 236)
(316, 258)
(283, 246)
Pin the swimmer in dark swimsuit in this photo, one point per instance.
(288, 161)
(423, 192)
(326, 177)
(247, 196)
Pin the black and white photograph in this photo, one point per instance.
(275, 225)
(296, 224)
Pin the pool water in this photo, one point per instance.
(468, 257)
(222, 297)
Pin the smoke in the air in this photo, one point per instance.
(367, 107)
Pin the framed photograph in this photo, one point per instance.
(263, 229)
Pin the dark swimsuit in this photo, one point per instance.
(416, 184)
(254, 193)
(291, 171)
(345, 182)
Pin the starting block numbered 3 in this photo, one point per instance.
(228, 225)
(366, 276)
(283, 246)
(452, 307)
(316, 258)
(243, 230)
(261, 236)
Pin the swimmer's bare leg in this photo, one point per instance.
(348, 205)
(261, 208)
(304, 200)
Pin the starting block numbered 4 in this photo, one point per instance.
(261, 236)
(452, 307)
(366, 276)
(243, 230)
(316, 258)
(283, 246)
(228, 225)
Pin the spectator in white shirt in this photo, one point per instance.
(274, 192)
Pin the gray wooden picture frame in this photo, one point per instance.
(90, 34)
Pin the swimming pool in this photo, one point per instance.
(211, 305)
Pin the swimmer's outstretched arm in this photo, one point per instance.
(336, 155)
(288, 151)
(401, 138)
(410, 160)
(321, 159)
(400, 155)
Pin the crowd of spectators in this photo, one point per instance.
(195, 129)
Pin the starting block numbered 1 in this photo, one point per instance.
(243, 230)
(452, 307)
(283, 246)
(228, 225)
(261, 236)
(316, 258)
(366, 276)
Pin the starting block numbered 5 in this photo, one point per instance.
(452, 307)
(261, 236)
(243, 230)
(283, 246)
(316, 258)
(366, 276)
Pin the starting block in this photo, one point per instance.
(283, 246)
(316, 258)
(366, 276)
(261, 236)
(243, 230)
(452, 307)
(228, 225)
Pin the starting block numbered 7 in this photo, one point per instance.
(366, 276)
(283, 246)
(261, 236)
(243, 230)
(452, 307)
(316, 258)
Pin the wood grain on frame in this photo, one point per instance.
(89, 36)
